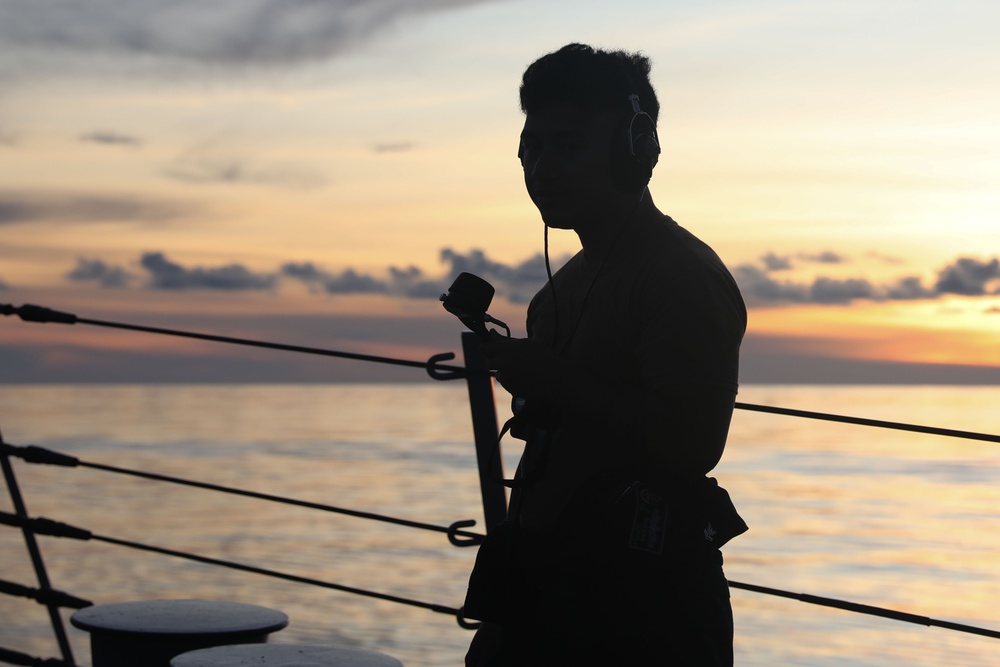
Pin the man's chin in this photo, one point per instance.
(556, 221)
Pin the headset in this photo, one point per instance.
(634, 167)
(633, 164)
(631, 167)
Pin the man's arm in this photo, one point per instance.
(682, 428)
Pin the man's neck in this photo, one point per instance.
(600, 237)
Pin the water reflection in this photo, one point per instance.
(892, 519)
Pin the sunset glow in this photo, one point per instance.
(840, 156)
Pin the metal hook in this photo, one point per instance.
(463, 541)
(460, 617)
(443, 373)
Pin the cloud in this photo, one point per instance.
(346, 282)
(110, 138)
(909, 288)
(206, 169)
(3, 285)
(825, 257)
(965, 276)
(167, 275)
(412, 283)
(59, 207)
(226, 32)
(774, 262)
(886, 259)
(407, 282)
(394, 147)
(516, 282)
(830, 290)
(759, 288)
(96, 271)
(970, 277)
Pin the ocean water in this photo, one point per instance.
(893, 519)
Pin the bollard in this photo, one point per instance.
(283, 655)
(150, 633)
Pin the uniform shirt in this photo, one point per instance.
(660, 310)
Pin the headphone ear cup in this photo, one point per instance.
(647, 151)
(633, 165)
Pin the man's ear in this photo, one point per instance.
(633, 163)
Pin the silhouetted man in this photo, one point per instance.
(610, 554)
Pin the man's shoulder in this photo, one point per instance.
(669, 249)
(673, 266)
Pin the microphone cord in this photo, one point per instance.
(552, 289)
(600, 268)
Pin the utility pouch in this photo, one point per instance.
(677, 516)
(649, 515)
(488, 596)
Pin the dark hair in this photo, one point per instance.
(590, 78)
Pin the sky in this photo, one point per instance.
(315, 173)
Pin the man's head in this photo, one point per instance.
(591, 79)
(583, 139)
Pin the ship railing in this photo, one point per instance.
(487, 443)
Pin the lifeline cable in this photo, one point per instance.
(876, 423)
(32, 313)
(871, 610)
(44, 596)
(38, 563)
(18, 658)
(35, 454)
(43, 526)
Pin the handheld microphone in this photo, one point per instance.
(467, 299)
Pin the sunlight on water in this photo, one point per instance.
(900, 520)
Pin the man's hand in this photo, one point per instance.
(525, 367)
(682, 427)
